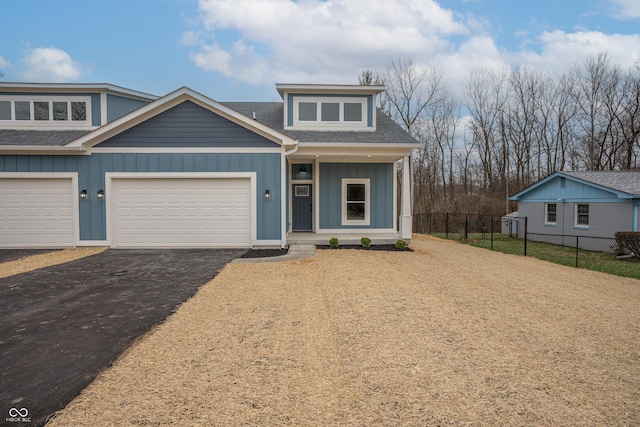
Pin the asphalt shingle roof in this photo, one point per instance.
(272, 114)
(267, 113)
(40, 138)
(625, 181)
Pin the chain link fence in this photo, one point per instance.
(510, 235)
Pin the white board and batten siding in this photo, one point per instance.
(38, 210)
(181, 210)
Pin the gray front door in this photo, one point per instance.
(302, 207)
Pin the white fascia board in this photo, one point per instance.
(362, 145)
(284, 88)
(166, 102)
(232, 150)
(75, 87)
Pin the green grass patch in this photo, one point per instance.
(597, 261)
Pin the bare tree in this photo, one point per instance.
(486, 98)
(411, 90)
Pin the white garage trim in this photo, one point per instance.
(111, 177)
(71, 185)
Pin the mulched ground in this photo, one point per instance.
(447, 335)
(371, 248)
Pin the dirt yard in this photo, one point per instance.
(447, 335)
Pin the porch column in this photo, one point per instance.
(405, 209)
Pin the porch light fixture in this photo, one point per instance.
(83, 194)
(100, 194)
(267, 194)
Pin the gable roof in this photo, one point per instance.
(625, 184)
(171, 100)
(272, 115)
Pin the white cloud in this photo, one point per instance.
(334, 38)
(560, 50)
(626, 9)
(3, 62)
(333, 41)
(49, 64)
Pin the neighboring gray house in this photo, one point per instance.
(97, 164)
(592, 205)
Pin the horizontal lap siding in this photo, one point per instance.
(188, 125)
(91, 177)
(381, 188)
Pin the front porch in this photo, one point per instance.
(301, 238)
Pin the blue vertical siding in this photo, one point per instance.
(381, 193)
(118, 106)
(91, 177)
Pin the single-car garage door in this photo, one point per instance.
(36, 212)
(181, 212)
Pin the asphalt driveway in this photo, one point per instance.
(62, 325)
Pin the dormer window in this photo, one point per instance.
(338, 112)
(55, 112)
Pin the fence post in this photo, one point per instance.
(491, 219)
(466, 228)
(525, 236)
(577, 243)
(446, 225)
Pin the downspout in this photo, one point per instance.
(635, 216)
(284, 205)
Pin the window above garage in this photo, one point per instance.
(329, 107)
(29, 112)
(338, 113)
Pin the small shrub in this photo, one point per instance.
(334, 243)
(401, 245)
(628, 242)
(365, 242)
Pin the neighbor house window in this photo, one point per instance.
(56, 111)
(582, 214)
(551, 211)
(330, 111)
(355, 202)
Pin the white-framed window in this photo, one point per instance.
(42, 111)
(550, 213)
(344, 112)
(582, 215)
(356, 201)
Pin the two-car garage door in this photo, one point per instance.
(180, 212)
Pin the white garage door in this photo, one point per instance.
(181, 212)
(36, 212)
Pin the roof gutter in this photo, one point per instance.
(20, 149)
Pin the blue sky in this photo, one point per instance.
(236, 50)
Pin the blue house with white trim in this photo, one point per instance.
(590, 204)
(98, 164)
